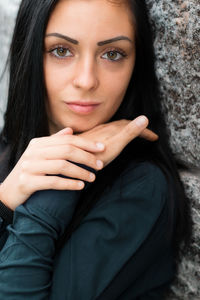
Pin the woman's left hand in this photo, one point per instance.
(116, 135)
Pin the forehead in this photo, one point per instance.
(102, 17)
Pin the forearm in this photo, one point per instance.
(27, 257)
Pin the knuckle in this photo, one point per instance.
(26, 155)
(22, 178)
(33, 142)
(25, 165)
(53, 181)
(68, 148)
(61, 165)
(23, 182)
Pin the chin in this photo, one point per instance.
(80, 129)
(84, 127)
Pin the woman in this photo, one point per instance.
(99, 213)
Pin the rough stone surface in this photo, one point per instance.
(177, 45)
(186, 285)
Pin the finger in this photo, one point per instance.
(55, 183)
(131, 131)
(57, 167)
(149, 135)
(67, 139)
(65, 152)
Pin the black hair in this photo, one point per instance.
(26, 117)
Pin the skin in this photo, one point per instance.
(85, 71)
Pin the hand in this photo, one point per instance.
(116, 135)
(51, 155)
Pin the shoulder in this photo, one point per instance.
(145, 184)
(145, 173)
(141, 190)
(143, 169)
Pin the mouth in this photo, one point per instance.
(82, 107)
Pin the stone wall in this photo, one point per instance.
(177, 44)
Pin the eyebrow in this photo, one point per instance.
(64, 37)
(115, 39)
(101, 43)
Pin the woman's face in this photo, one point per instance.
(88, 62)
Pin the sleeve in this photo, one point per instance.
(6, 217)
(26, 261)
(112, 233)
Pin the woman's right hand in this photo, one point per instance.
(51, 156)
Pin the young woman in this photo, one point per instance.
(99, 212)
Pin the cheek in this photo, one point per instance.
(116, 86)
(48, 77)
(54, 79)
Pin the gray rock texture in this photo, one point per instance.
(186, 285)
(176, 25)
(177, 45)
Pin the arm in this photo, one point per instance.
(111, 233)
(26, 261)
(115, 136)
(53, 155)
(115, 232)
(34, 218)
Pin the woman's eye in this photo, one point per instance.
(61, 52)
(113, 55)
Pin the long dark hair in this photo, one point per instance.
(26, 117)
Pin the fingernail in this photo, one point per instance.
(141, 121)
(81, 184)
(99, 164)
(92, 177)
(100, 146)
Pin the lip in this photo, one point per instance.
(82, 107)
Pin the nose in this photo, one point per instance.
(86, 75)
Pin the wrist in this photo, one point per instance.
(4, 201)
(6, 213)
